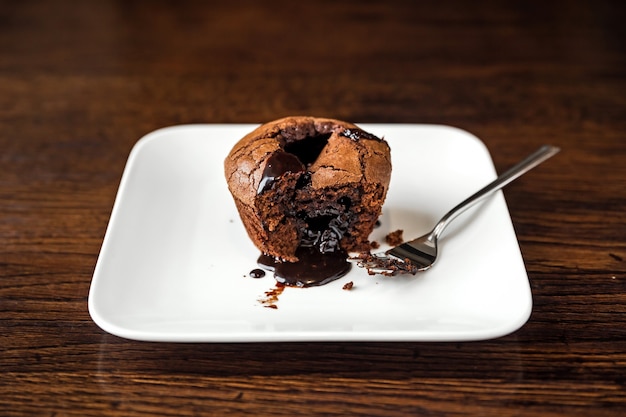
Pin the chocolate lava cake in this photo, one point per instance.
(308, 190)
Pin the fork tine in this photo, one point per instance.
(418, 257)
(385, 265)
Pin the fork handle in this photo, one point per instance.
(522, 167)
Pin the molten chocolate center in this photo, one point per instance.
(320, 259)
(279, 163)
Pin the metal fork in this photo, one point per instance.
(420, 254)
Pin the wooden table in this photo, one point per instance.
(82, 81)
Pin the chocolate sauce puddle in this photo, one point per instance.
(257, 273)
(312, 268)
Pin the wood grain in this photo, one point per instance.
(80, 82)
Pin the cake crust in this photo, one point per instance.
(332, 169)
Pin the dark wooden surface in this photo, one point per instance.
(81, 81)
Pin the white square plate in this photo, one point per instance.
(175, 260)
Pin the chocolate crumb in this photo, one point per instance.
(374, 244)
(388, 266)
(348, 285)
(271, 296)
(394, 238)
